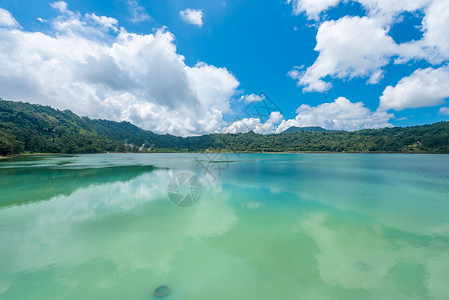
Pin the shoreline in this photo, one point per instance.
(249, 152)
(2, 157)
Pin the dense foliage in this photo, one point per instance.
(37, 128)
(312, 128)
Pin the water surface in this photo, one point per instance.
(267, 226)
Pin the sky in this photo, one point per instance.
(191, 67)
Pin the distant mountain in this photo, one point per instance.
(310, 128)
(34, 128)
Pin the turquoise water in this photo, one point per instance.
(265, 226)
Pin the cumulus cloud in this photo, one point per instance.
(6, 19)
(312, 8)
(254, 124)
(341, 114)
(192, 16)
(203, 78)
(85, 66)
(60, 5)
(435, 42)
(349, 47)
(423, 88)
(360, 47)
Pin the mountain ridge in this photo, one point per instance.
(307, 128)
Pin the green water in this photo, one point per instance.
(267, 226)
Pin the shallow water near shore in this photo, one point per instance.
(264, 226)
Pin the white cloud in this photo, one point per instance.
(254, 124)
(349, 47)
(388, 10)
(192, 16)
(73, 23)
(381, 9)
(354, 47)
(60, 5)
(253, 98)
(434, 45)
(106, 22)
(114, 75)
(312, 8)
(444, 111)
(341, 114)
(138, 13)
(425, 87)
(204, 78)
(435, 25)
(6, 19)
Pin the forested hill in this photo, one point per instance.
(35, 128)
(312, 128)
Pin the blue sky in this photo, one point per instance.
(190, 67)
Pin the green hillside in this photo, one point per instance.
(37, 128)
(310, 128)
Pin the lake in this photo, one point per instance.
(225, 226)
